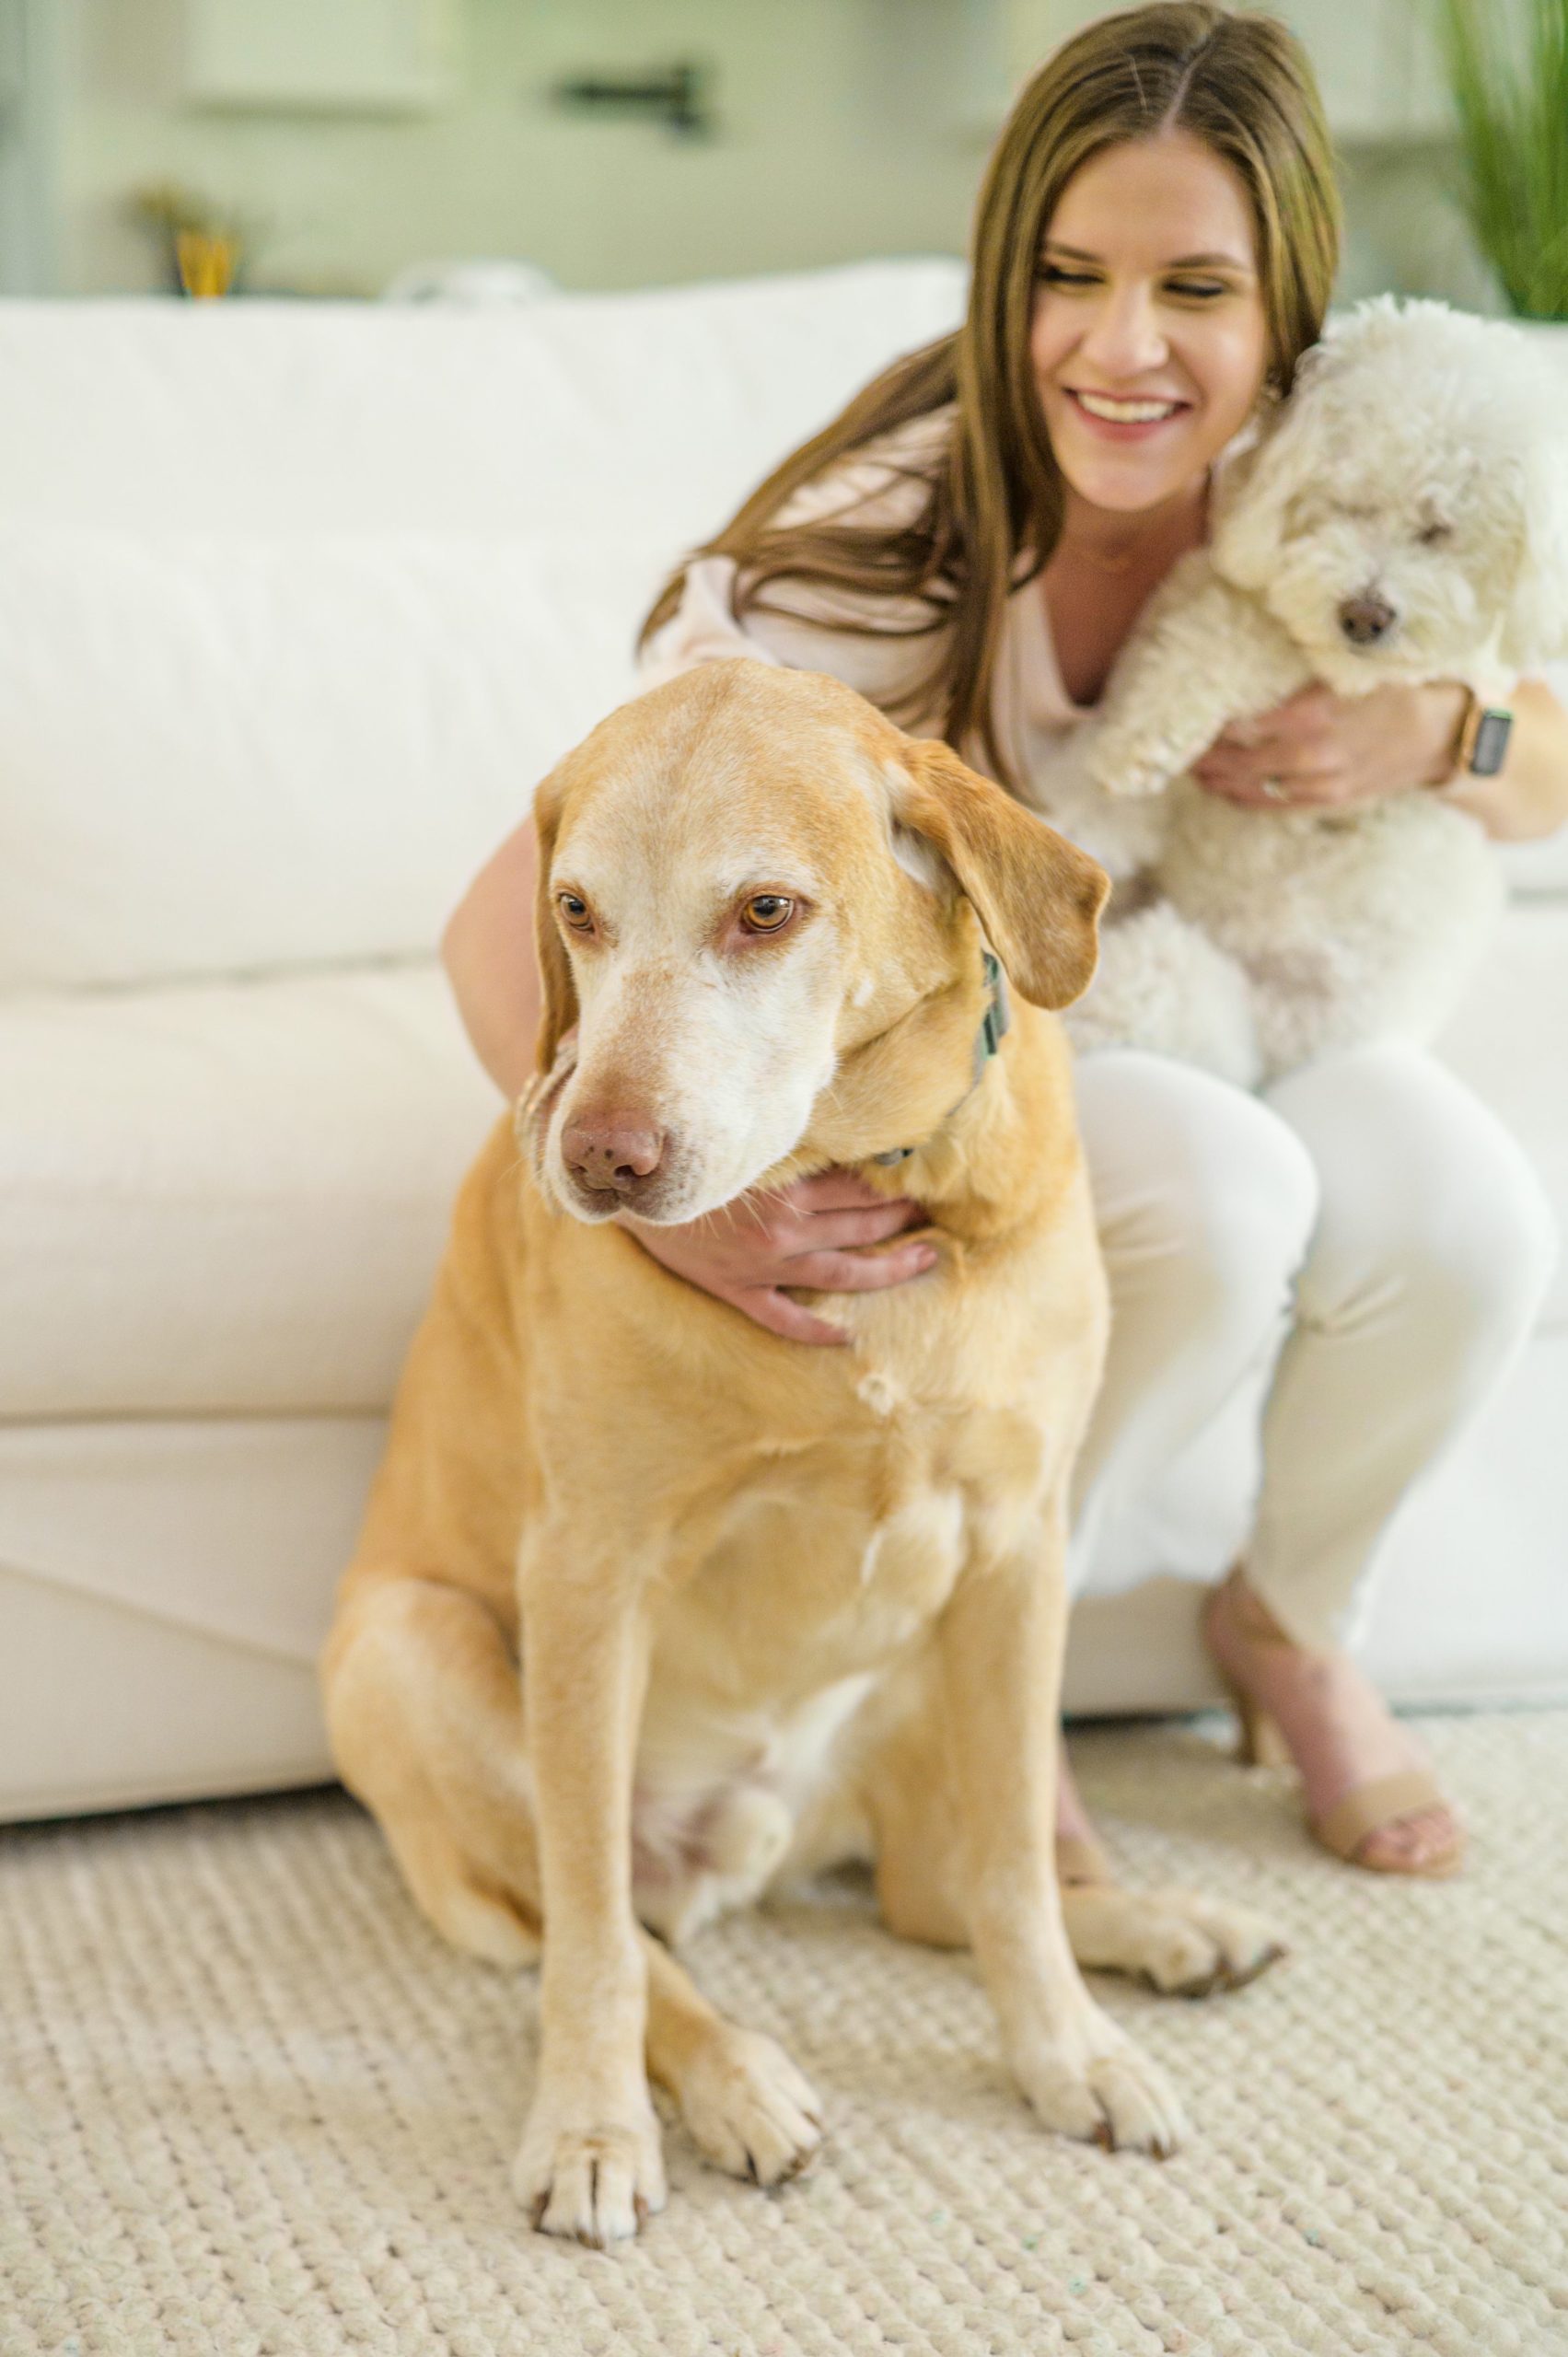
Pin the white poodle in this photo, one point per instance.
(1402, 517)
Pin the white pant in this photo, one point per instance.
(1368, 1229)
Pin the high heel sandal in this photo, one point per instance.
(1080, 1859)
(1365, 1808)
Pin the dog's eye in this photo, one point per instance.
(766, 912)
(575, 911)
(1429, 534)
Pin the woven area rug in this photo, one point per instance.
(250, 2107)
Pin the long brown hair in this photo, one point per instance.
(991, 506)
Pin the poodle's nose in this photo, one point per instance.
(1367, 618)
(611, 1151)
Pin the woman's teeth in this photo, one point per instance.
(1125, 412)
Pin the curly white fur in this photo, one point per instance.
(1161, 983)
(1418, 472)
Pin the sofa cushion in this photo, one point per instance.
(1540, 870)
(227, 1198)
(296, 609)
(230, 1196)
(1507, 1041)
(219, 755)
(650, 414)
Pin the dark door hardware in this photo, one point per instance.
(676, 96)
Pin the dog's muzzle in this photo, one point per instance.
(1367, 618)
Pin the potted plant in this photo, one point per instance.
(204, 247)
(1508, 72)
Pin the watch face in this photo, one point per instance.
(1491, 743)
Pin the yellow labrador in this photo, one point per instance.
(652, 1610)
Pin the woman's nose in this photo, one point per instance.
(1124, 337)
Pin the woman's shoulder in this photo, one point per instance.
(877, 642)
(882, 485)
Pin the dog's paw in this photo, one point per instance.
(748, 2108)
(594, 2181)
(1130, 768)
(1182, 1944)
(1094, 2085)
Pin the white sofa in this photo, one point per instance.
(296, 605)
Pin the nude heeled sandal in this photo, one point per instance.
(1367, 1808)
(1080, 1860)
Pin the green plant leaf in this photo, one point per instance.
(1507, 64)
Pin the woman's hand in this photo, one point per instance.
(1320, 751)
(813, 1232)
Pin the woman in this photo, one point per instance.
(970, 544)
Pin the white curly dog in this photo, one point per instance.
(1403, 517)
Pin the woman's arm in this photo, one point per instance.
(488, 951)
(1326, 750)
(1528, 797)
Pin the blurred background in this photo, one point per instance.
(342, 147)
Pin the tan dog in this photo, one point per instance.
(773, 1607)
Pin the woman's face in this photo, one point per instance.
(1148, 341)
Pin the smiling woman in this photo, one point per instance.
(969, 544)
(1163, 194)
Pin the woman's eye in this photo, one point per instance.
(575, 911)
(1429, 534)
(1053, 274)
(1202, 289)
(767, 912)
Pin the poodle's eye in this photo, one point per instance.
(1437, 531)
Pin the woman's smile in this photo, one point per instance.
(1124, 417)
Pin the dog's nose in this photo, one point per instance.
(611, 1154)
(1367, 618)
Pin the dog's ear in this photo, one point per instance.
(559, 1009)
(1535, 628)
(1286, 452)
(1038, 896)
(1254, 492)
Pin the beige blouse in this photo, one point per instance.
(1031, 707)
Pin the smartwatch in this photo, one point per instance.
(1482, 745)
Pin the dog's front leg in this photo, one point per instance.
(1002, 1644)
(591, 2163)
(1203, 654)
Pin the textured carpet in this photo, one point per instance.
(250, 2106)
